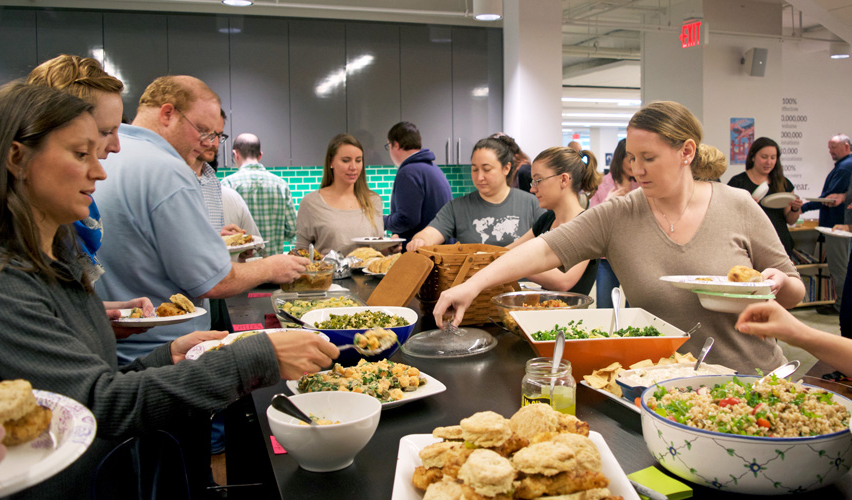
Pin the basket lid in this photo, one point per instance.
(402, 281)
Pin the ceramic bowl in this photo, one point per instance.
(745, 464)
(733, 303)
(634, 382)
(760, 191)
(326, 448)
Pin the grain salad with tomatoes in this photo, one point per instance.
(775, 408)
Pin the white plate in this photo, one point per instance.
(834, 232)
(433, 386)
(205, 346)
(732, 303)
(370, 273)
(156, 320)
(819, 199)
(256, 242)
(617, 399)
(408, 459)
(529, 285)
(778, 200)
(719, 284)
(378, 243)
(72, 429)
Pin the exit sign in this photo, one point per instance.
(690, 34)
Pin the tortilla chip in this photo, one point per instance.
(645, 363)
(685, 358)
(609, 369)
(666, 361)
(613, 388)
(596, 380)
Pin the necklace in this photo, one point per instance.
(672, 224)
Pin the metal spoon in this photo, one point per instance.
(283, 404)
(557, 359)
(704, 350)
(311, 252)
(361, 350)
(616, 303)
(782, 371)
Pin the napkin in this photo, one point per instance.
(659, 481)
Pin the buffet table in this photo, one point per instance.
(491, 381)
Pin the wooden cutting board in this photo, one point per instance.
(402, 281)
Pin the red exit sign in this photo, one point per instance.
(690, 34)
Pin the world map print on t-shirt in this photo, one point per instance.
(500, 228)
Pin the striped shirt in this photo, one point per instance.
(212, 191)
(271, 204)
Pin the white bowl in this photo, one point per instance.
(733, 303)
(326, 448)
(745, 464)
(760, 191)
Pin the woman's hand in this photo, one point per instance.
(768, 319)
(299, 353)
(617, 191)
(454, 302)
(843, 227)
(414, 244)
(181, 345)
(112, 310)
(778, 277)
(232, 229)
(796, 205)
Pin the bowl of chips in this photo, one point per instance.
(604, 379)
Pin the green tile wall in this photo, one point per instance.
(303, 180)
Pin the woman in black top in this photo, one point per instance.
(558, 176)
(763, 164)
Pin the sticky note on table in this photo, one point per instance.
(276, 446)
(257, 295)
(657, 480)
(248, 326)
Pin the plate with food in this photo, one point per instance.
(618, 399)
(399, 389)
(834, 232)
(365, 255)
(370, 273)
(739, 280)
(178, 310)
(778, 200)
(213, 345)
(378, 242)
(239, 243)
(59, 431)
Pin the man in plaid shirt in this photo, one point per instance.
(267, 195)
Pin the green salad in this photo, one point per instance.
(575, 330)
(364, 319)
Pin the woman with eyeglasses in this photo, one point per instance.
(344, 207)
(558, 176)
(494, 214)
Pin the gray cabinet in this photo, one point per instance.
(69, 32)
(317, 88)
(18, 30)
(135, 52)
(426, 85)
(372, 86)
(260, 86)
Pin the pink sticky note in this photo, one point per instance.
(276, 446)
(257, 295)
(248, 326)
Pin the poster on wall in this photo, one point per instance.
(742, 135)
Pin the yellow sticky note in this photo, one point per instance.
(659, 481)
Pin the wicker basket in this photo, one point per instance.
(454, 264)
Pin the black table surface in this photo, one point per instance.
(490, 381)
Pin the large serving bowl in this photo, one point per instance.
(532, 300)
(325, 448)
(587, 355)
(745, 464)
(342, 337)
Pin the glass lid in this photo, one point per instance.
(450, 342)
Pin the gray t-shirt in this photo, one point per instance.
(470, 219)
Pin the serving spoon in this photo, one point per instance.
(782, 371)
(361, 350)
(283, 404)
(704, 350)
(616, 303)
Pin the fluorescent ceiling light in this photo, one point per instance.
(594, 124)
(237, 3)
(598, 115)
(603, 100)
(838, 50)
(488, 10)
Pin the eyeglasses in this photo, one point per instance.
(204, 136)
(536, 182)
(387, 146)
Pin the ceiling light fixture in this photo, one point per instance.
(488, 10)
(604, 100)
(838, 50)
(237, 3)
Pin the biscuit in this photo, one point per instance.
(585, 451)
(486, 429)
(743, 274)
(28, 427)
(487, 473)
(434, 455)
(169, 309)
(447, 489)
(548, 458)
(16, 399)
(364, 253)
(182, 302)
(451, 433)
(534, 419)
(572, 424)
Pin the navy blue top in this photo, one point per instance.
(420, 189)
(836, 182)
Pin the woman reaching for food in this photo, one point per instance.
(494, 214)
(677, 224)
(558, 176)
(56, 334)
(343, 207)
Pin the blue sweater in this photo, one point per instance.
(836, 182)
(420, 189)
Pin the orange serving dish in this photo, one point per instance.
(587, 355)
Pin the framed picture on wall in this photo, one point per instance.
(742, 135)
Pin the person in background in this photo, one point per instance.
(521, 165)
(267, 195)
(343, 207)
(576, 146)
(420, 188)
(494, 214)
(674, 225)
(763, 164)
(237, 212)
(56, 334)
(558, 176)
(831, 212)
(159, 241)
(617, 182)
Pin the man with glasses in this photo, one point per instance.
(420, 188)
(161, 242)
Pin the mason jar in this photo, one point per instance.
(538, 379)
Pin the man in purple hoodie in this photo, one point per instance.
(420, 188)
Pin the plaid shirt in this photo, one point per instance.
(269, 200)
(212, 192)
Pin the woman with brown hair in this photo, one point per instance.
(677, 224)
(343, 207)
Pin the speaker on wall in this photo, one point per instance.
(754, 61)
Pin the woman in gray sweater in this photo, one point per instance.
(56, 333)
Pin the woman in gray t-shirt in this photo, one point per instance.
(495, 214)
